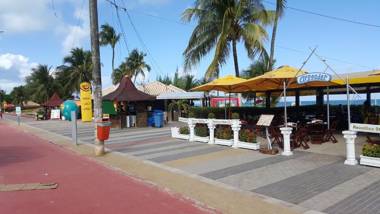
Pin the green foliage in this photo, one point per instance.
(133, 66)
(223, 132)
(211, 115)
(185, 82)
(184, 130)
(191, 115)
(180, 106)
(77, 68)
(164, 79)
(19, 95)
(40, 84)
(108, 36)
(371, 150)
(247, 135)
(220, 25)
(235, 116)
(201, 130)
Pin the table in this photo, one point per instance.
(317, 132)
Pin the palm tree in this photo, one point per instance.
(19, 95)
(280, 6)
(133, 66)
(108, 36)
(2, 98)
(40, 84)
(222, 24)
(180, 105)
(258, 68)
(77, 68)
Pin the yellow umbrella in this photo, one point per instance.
(225, 84)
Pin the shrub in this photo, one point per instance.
(371, 150)
(223, 132)
(191, 115)
(247, 135)
(201, 130)
(211, 115)
(235, 116)
(184, 130)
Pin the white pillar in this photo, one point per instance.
(236, 128)
(211, 127)
(286, 131)
(350, 147)
(191, 129)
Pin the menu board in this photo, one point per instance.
(55, 114)
(265, 120)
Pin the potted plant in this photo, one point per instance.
(181, 133)
(223, 135)
(371, 155)
(248, 139)
(201, 133)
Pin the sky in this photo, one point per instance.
(44, 31)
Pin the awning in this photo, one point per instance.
(181, 96)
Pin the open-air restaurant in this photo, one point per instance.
(290, 126)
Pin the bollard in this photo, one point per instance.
(74, 127)
(18, 120)
(191, 129)
(286, 131)
(236, 128)
(211, 127)
(350, 147)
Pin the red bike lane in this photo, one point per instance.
(83, 185)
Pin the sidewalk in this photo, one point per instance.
(84, 186)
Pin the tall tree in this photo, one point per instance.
(133, 66)
(2, 99)
(280, 6)
(222, 24)
(40, 84)
(108, 36)
(164, 79)
(19, 95)
(77, 68)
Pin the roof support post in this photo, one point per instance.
(368, 92)
(267, 99)
(297, 98)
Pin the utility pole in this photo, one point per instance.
(96, 73)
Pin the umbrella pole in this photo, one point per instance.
(229, 105)
(285, 110)
(328, 107)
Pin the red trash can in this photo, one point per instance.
(103, 130)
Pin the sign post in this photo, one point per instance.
(265, 120)
(74, 134)
(18, 114)
(86, 101)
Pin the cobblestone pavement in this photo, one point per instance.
(313, 180)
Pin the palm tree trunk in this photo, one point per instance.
(273, 39)
(235, 58)
(113, 59)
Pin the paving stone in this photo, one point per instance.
(177, 147)
(249, 166)
(301, 187)
(187, 154)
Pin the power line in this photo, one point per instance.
(329, 16)
(124, 8)
(121, 27)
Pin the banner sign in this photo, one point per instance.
(18, 110)
(361, 127)
(85, 101)
(55, 114)
(313, 77)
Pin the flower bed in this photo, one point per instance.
(371, 155)
(223, 135)
(248, 140)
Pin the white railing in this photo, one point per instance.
(211, 124)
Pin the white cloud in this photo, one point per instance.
(13, 70)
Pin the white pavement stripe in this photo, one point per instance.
(179, 150)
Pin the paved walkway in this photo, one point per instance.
(313, 180)
(84, 186)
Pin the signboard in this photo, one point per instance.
(313, 77)
(18, 110)
(265, 120)
(361, 127)
(85, 101)
(55, 114)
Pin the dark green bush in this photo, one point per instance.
(191, 115)
(184, 130)
(371, 150)
(247, 135)
(211, 115)
(235, 116)
(223, 132)
(201, 130)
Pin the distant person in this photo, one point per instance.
(1, 113)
